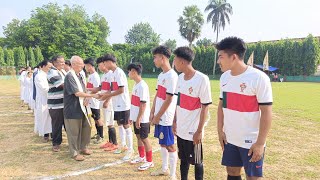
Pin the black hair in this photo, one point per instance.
(232, 45)
(89, 61)
(108, 57)
(67, 62)
(184, 53)
(99, 60)
(162, 50)
(137, 67)
(55, 58)
(44, 63)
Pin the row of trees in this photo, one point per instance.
(292, 57)
(20, 57)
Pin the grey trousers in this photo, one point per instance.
(78, 134)
(57, 120)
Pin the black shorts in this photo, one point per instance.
(95, 114)
(189, 152)
(122, 117)
(143, 131)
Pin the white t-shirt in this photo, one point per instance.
(105, 87)
(120, 102)
(166, 84)
(140, 93)
(241, 96)
(192, 94)
(93, 82)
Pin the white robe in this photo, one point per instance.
(43, 119)
(31, 101)
(21, 79)
(26, 94)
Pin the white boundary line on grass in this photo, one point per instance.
(80, 172)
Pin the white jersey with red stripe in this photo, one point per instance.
(191, 94)
(120, 102)
(166, 84)
(140, 93)
(105, 87)
(93, 82)
(241, 96)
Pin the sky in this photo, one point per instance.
(252, 20)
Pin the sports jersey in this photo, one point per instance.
(166, 84)
(93, 82)
(192, 94)
(241, 96)
(140, 93)
(120, 102)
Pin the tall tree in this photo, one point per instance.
(32, 60)
(38, 55)
(204, 42)
(20, 57)
(219, 12)
(142, 33)
(190, 23)
(9, 57)
(2, 61)
(26, 56)
(172, 44)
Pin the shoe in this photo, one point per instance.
(95, 136)
(56, 148)
(99, 140)
(86, 152)
(112, 147)
(146, 166)
(138, 160)
(128, 155)
(45, 139)
(78, 157)
(159, 172)
(172, 178)
(120, 150)
(106, 145)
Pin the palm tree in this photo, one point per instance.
(219, 11)
(190, 23)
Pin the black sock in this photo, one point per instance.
(234, 177)
(100, 131)
(198, 171)
(97, 128)
(112, 136)
(184, 169)
(46, 135)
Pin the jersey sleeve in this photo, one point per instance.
(205, 92)
(264, 90)
(96, 81)
(172, 84)
(221, 92)
(121, 79)
(144, 93)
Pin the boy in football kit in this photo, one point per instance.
(194, 96)
(106, 106)
(94, 104)
(244, 111)
(139, 114)
(162, 112)
(121, 105)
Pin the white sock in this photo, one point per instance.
(129, 138)
(122, 133)
(173, 158)
(165, 158)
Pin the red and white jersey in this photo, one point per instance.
(192, 94)
(120, 102)
(93, 82)
(105, 87)
(241, 96)
(140, 93)
(166, 84)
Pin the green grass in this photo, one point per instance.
(292, 146)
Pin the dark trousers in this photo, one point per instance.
(57, 121)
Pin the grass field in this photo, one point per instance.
(293, 145)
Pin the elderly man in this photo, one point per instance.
(75, 113)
